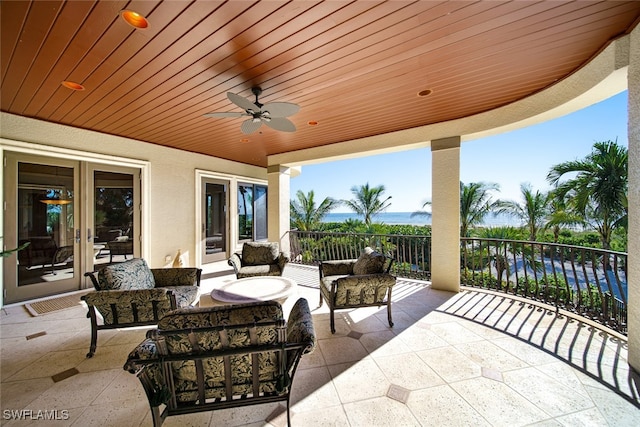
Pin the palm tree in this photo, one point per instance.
(305, 216)
(598, 192)
(368, 201)
(475, 204)
(533, 211)
(559, 215)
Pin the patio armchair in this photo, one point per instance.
(353, 283)
(211, 358)
(131, 294)
(259, 259)
(120, 246)
(62, 255)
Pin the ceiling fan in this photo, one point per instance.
(272, 114)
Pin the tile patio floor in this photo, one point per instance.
(466, 359)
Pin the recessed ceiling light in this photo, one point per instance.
(425, 92)
(134, 19)
(72, 85)
(312, 123)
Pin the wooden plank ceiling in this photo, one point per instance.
(355, 67)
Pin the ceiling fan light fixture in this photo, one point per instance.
(55, 201)
(72, 85)
(134, 19)
(425, 92)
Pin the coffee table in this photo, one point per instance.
(252, 289)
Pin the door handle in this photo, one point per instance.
(77, 235)
(89, 236)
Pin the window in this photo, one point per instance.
(252, 212)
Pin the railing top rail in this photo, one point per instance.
(537, 242)
(484, 239)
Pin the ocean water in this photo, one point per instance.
(404, 218)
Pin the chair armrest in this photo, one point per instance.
(146, 352)
(283, 259)
(145, 363)
(94, 279)
(391, 260)
(336, 268)
(300, 326)
(166, 277)
(235, 261)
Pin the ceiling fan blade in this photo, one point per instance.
(241, 102)
(225, 114)
(281, 124)
(281, 109)
(250, 126)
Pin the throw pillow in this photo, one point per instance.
(131, 274)
(369, 262)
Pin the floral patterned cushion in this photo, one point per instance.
(127, 275)
(198, 330)
(175, 276)
(226, 328)
(106, 302)
(260, 253)
(357, 290)
(369, 262)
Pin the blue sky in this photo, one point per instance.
(508, 159)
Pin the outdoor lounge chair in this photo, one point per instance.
(353, 283)
(205, 359)
(259, 259)
(130, 294)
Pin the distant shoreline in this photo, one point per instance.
(404, 218)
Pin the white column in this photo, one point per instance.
(278, 180)
(445, 209)
(633, 245)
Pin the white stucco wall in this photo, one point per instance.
(170, 178)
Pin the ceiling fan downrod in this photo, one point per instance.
(257, 90)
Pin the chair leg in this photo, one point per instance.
(333, 323)
(94, 331)
(156, 416)
(389, 315)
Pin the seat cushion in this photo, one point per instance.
(257, 253)
(369, 262)
(259, 270)
(128, 275)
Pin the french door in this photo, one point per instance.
(56, 209)
(215, 238)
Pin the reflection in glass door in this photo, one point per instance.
(252, 212)
(44, 219)
(214, 227)
(115, 220)
(70, 215)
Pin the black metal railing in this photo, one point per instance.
(587, 281)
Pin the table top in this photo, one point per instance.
(251, 289)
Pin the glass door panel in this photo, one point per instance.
(42, 209)
(245, 212)
(116, 225)
(214, 218)
(260, 210)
